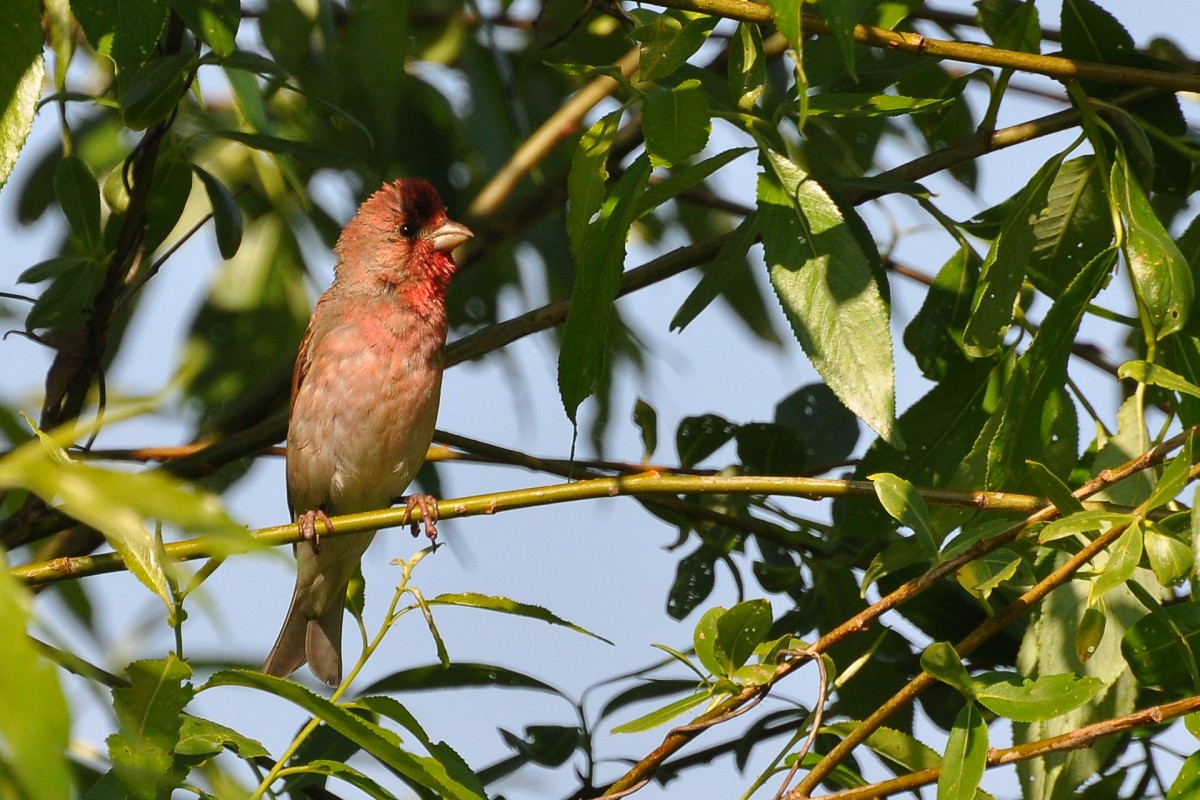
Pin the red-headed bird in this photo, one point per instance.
(364, 401)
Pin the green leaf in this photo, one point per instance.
(22, 69)
(669, 39)
(827, 428)
(828, 291)
(1169, 557)
(1058, 492)
(1187, 781)
(597, 279)
(695, 578)
(506, 606)
(1005, 265)
(942, 661)
(1038, 384)
(116, 503)
(1161, 275)
(78, 195)
(586, 180)
(1010, 25)
(169, 194)
(1123, 558)
(458, 675)
(1090, 632)
(155, 89)
(841, 16)
(738, 632)
(125, 31)
(1174, 477)
(203, 737)
(903, 502)
(227, 217)
(446, 755)
(662, 715)
(684, 178)
(787, 16)
(35, 724)
(646, 420)
(985, 574)
(348, 774)
(215, 22)
(1074, 227)
(966, 756)
(896, 557)
(675, 122)
(1083, 522)
(149, 715)
(421, 771)
(52, 268)
(1152, 646)
(729, 263)
(64, 302)
(1156, 375)
(860, 104)
(697, 438)
(704, 640)
(1026, 700)
(747, 70)
(934, 336)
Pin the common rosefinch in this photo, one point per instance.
(364, 402)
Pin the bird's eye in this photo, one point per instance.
(409, 230)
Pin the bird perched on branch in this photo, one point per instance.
(364, 401)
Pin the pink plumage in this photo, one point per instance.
(364, 400)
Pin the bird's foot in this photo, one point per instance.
(429, 515)
(307, 523)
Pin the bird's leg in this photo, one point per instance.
(429, 515)
(307, 523)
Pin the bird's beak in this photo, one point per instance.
(450, 235)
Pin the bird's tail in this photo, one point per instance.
(316, 641)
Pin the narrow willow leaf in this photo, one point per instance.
(78, 195)
(422, 771)
(34, 719)
(646, 420)
(1058, 492)
(155, 90)
(676, 122)
(506, 606)
(1174, 477)
(851, 104)
(1152, 647)
(942, 661)
(215, 22)
(21, 72)
(669, 39)
(1187, 782)
(1038, 384)
(1170, 558)
(1161, 274)
(1123, 558)
(1025, 700)
(203, 737)
(459, 675)
(662, 715)
(730, 261)
(747, 66)
(966, 756)
(828, 291)
(842, 16)
(684, 178)
(597, 279)
(1005, 266)
(227, 217)
(150, 715)
(1083, 522)
(739, 631)
(903, 502)
(1157, 375)
(1090, 632)
(985, 574)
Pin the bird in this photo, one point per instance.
(364, 400)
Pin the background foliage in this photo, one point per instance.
(992, 562)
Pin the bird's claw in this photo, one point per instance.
(307, 523)
(429, 515)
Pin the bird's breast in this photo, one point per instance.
(363, 416)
